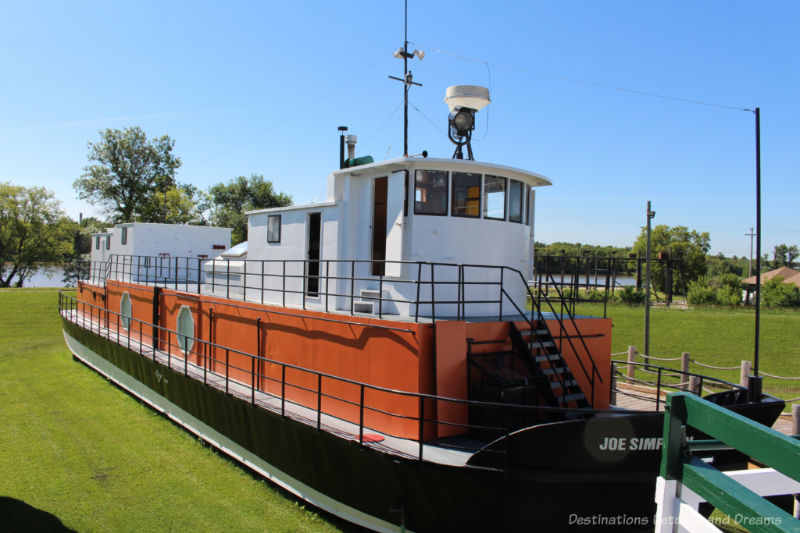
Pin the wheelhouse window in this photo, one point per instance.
(124, 236)
(97, 243)
(274, 228)
(516, 200)
(466, 195)
(108, 242)
(430, 192)
(494, 197)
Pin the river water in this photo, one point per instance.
(50, 277)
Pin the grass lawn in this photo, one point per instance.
(714, 336)
(77, 450)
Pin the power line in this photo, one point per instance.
(584, 82)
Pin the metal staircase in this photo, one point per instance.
(536, 346)
(524, 369)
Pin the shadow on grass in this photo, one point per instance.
(16, 515)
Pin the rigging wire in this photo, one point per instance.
(584, 82)
(428, 119)
(293, 115)
(380, 127)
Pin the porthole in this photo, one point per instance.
(125, 312)
(185, 328)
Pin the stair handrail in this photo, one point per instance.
(535, 303)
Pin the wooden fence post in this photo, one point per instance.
(744, 375)
(694, 385)
(631, 360)
(684, 369)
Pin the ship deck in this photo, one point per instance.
(451, 451)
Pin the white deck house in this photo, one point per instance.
(140, 251)
(381, 231)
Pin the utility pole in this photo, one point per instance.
(650, 215)
(750, 267)
(758, 252)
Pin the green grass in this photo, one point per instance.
(76, 449)
(714, 336)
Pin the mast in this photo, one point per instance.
(407, 78)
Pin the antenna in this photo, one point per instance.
(407, 78)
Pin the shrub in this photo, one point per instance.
(701, 293)
(776, 293)
(727, 295)
(595, 295)
(630, 295)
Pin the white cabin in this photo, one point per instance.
(143, 250)
(383, 227)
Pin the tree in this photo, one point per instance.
(785, 255)
(127, 174)
(76, 267)
(687, 248)
(230, 201)
(33, 232)
(183, 204)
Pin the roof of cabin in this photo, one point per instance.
(460, 165)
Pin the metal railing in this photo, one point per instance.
(662, 386)
(248, 377)
(580, 350)
(428, 291)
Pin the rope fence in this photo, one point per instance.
(698, 363)
(630, 375)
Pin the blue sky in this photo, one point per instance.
(260, 87)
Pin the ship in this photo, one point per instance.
(382, 354)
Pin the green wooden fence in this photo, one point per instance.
(679, 467)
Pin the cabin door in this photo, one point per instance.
(312, 265)
(379, 227)
(395, 204)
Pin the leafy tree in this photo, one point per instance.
(76, 267)
(687, 248)
(128, 171)
(718, 265)
(230, 201)
(183, 204)
(33, 232)
(785, 255)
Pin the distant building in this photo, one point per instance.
(789, 275)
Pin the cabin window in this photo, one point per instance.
(108, 242)
(124, 236)
(515, 201)
(466, 195)
(97, 243)
(274, 228)
(125, 312)
(494, 197)
(185, 328)
(430, 192)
